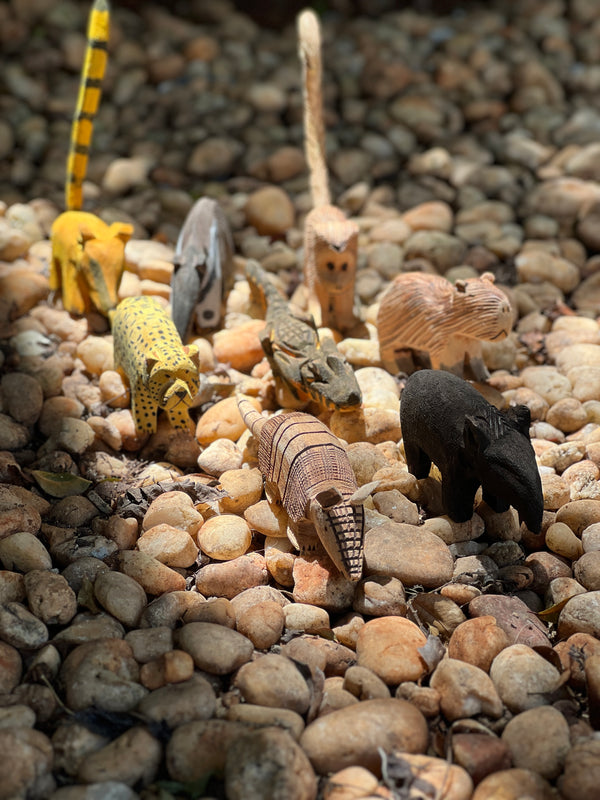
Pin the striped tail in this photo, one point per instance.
(252, 419)
(87, 103)
(309, 50)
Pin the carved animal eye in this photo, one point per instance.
(344, 267)
(330, 266)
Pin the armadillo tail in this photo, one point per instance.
(252, 419)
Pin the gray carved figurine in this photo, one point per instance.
(203, 268)
(446, 420)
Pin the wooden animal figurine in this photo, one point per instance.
(162, 373)
(203, 268)
(310, 368)
(87, 254)
(446, 420)
(426, 312)
(306, 469)
(330, 240)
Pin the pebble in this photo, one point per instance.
(180, 703)
(104, 674)
(352, 736)
(232, 577)
(389, 647)
(263, 623)
(270, 211)
(131, 758)
(13, 435)
(582, 771)
(374, 425)
(173, 508)
(199, 748)
(380, 596)
(262, 716)
(305, 618)
(411, 554)
(270, 520)
(242, 487)
(50, 597)
(449, 781)
(169, 545)
(222, 421)
(26, 764)
(465, 690)
(240, 348)
(511, 615)
(538, 740)
(275, 681)
(579, 514)
(480, 753)
(523, 678)
(11, 667)
(220, 456)
(154, 577)
(511, 784)
(270, 751)
(477, 641)
(121, 596)
(23, 397)
(20, 628)
(150, 643)
(581, 614)
(214, 648)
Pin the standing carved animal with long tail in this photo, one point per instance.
(426, 312)
(88, 255)
(306, 469)
(330, 239)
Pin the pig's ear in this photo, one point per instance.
(476, 434)
(519, 417)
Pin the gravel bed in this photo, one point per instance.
(159, 635)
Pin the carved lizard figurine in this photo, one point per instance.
(307, 471)
(162, 373)
(330, 239)
(87, 254)
(426, 312)
(310, 368)
(203, 267)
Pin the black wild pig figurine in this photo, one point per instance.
(446, 420)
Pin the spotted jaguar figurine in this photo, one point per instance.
(162, 373)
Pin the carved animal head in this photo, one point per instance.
(331, 382)
(339, 522)
(101, 261)
(335, 246)
(177, 384)
(483, 309)
(505, 461)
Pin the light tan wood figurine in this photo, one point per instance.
(330, 240)
(426, 312)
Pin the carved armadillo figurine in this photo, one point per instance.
(427, 312)
(306, 469)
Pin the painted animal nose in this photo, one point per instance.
(181, 393)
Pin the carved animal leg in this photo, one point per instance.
(474, 356)
(458, 497)
(143, 408)
(497, 504)
(417, 460)
(388, 358)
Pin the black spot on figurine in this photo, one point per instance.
(446, 420)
